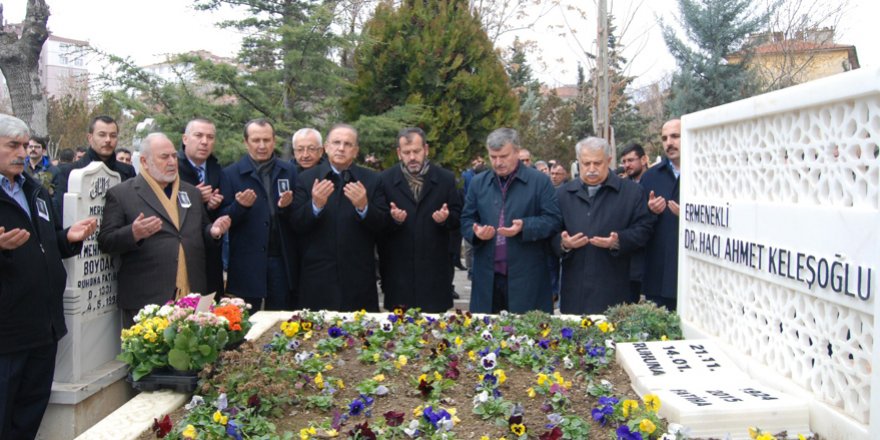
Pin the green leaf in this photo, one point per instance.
(179, 359)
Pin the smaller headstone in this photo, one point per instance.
(90, 311)
(700, 387)
(730, 407)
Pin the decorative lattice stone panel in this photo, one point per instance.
(789, 278)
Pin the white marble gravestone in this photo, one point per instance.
(779, 243)
(663, 364)
(88, 381)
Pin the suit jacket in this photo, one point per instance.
(595, 278)
(32, 276)
(661, 252)
(249, 234)
(414, 256)
(338, 267)
(531, 198)
(215, 178)
(148, 270)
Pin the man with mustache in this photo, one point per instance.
(159, 227)
(414, 256)
(509, 216)
(32, 281)
(604, 220)
(661, 182)
(341, 208)
(103, 136)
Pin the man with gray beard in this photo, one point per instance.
(160, 228)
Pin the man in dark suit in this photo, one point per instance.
(661, 182)
(261, 244)
(425, 207)
(103, 136)
(604, 220)
(157, 225)
(32, 281)
(341, 207)
(308, 150)
(198, 166)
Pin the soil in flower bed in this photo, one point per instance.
(252, 371)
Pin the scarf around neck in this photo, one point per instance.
(169, 204)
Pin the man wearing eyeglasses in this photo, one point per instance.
(341, 208)
(308, 150)
(38, 164)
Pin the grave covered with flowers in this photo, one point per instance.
(181, 337)
(407, 375)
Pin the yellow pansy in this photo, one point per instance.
(417, 411)
(501, 376)
(629, 405)
(472, 356)
(467, 322)
(375, 357)
(663, 338)
(652, 402)
(558, 377)
(542, 378)
(485, 437)
(189, 432)
(605, 327)
(220, 418)
(531, 392)
(328, 367)
(442, 325)
(340, 384)
(545, 332)
(437, 376)
(379, 377)
(503, 344)
(319, 381)
(647, 426)
(765, 436)
(423, 377)
(458, 341)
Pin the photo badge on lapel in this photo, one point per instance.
(283, 186)
(42, 209)
(184, 199)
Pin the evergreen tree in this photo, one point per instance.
(520, 73)
(433, 54)
(714, 28)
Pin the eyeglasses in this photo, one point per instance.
(34, 147)
(312, 149)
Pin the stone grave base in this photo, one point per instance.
(75, 407)
(825, 420)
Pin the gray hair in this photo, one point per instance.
(12, 127)
(541, 162)
(592, 143)
(305, 132)
(189, 124)
(147, 143)
(501, 137)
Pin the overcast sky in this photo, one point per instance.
(147, 30)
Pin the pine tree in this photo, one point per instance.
(715, 28)
(433, 55)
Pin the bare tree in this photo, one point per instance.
(796, 29)
(19, 61)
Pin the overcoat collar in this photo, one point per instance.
(143, 190)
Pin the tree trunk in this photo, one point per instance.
(19, 63)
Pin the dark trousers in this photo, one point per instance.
(662, 301)
(25, 385)
(278, 296)
(499, 293)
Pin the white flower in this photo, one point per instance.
(381, 390)
(609, 343)
(488, 361)
(436, 334)
(194, 402)
(165, 310)
(607, 385)
(487, 335)
(567, 363)
(386, 326)
(445, 424)
(413, 428)
(483, 397)
(301, 357)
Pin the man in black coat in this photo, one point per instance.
(604, 219)
(32, 282)
(341, 208)
(197, 166)
(425, 208)
(103, 136)
(661, 182)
